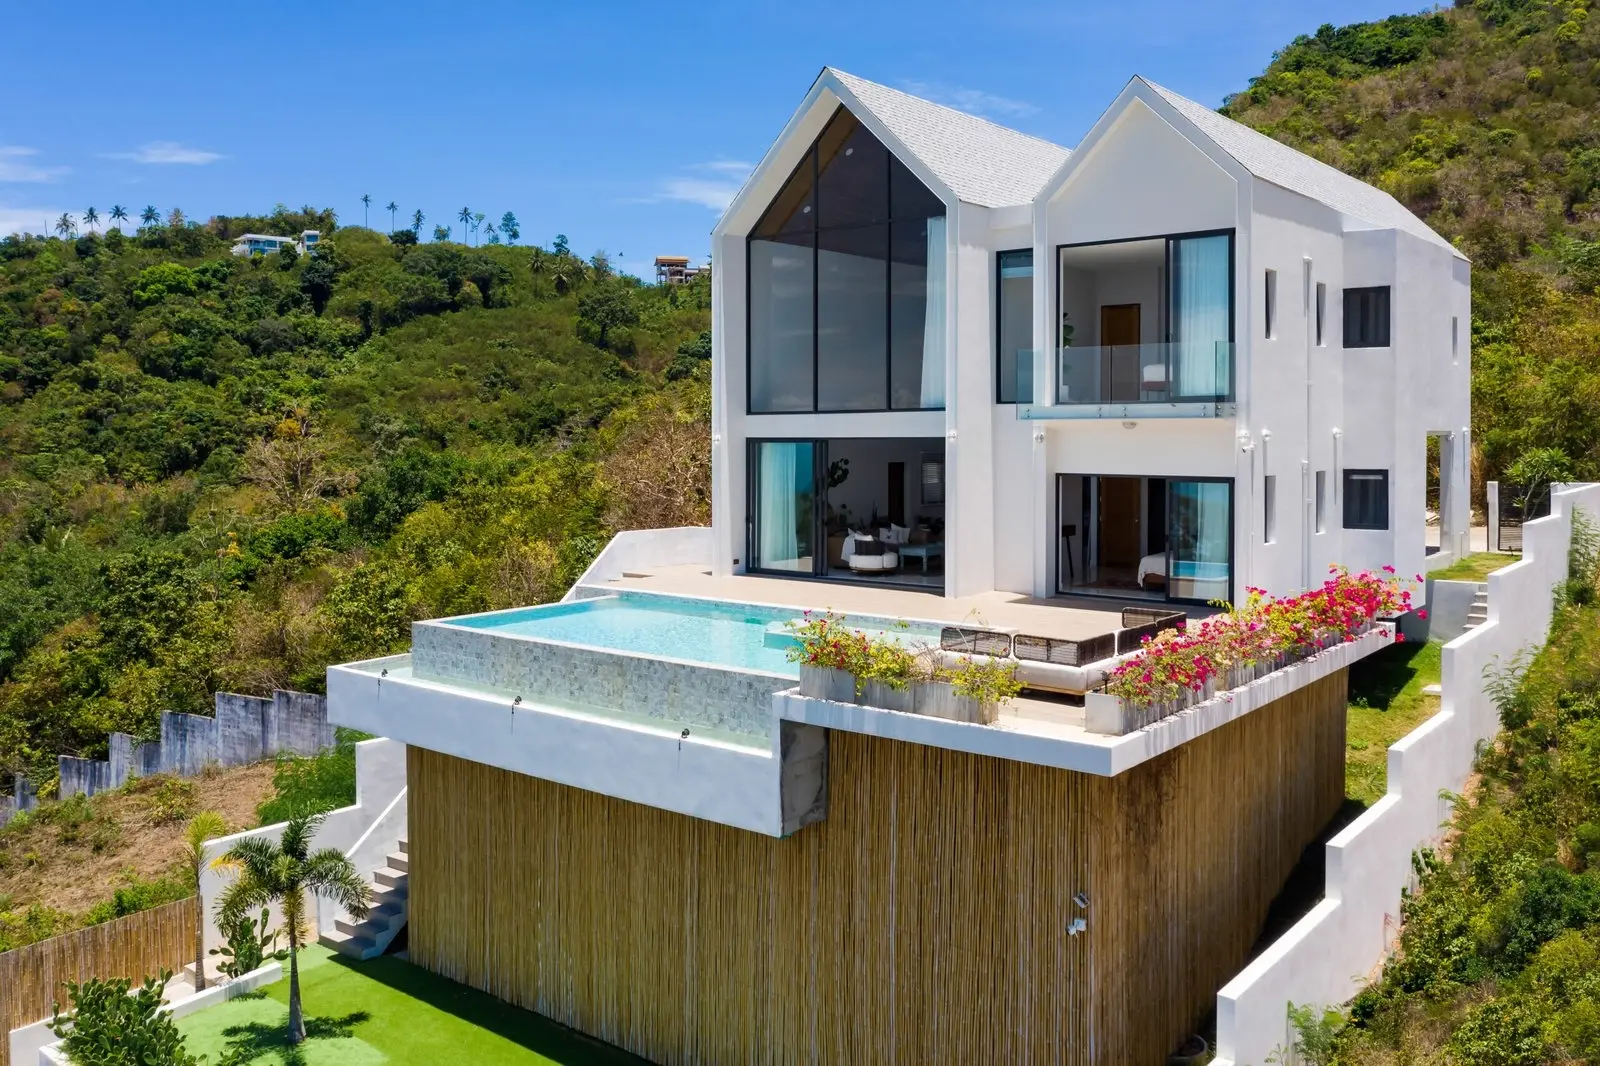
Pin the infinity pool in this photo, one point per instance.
(703, 631)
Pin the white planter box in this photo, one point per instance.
(939, 699)
(878, 694)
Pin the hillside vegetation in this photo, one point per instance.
(227, 473)
(1485, 120)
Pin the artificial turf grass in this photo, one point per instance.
(1386, 703)
(1475, 567)
(387, 1011)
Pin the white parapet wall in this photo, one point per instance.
(1330, 953)
(643, 549)
(380, 779)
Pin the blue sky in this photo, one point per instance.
(624, 125)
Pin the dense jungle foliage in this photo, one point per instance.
(220, 472)
(1484, 119)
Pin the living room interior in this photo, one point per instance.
(881, 514)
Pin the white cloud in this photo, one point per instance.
(27, 219)
(714, 186)
(15, 165)
(161, 152)
(973, 101)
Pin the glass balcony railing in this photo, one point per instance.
(1166, 373)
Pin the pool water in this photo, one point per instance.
(719, 634)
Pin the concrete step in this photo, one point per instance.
(404, 848)
(384, 895)
(390, 878)
(351, 945)
(398, 861)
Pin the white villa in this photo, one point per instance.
(266, 243)
(1023, 405)
(1177, 361)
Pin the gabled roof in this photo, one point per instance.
(1274, 162)
(981, 162)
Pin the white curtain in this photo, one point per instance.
(777, 526)
(1200, 287)
(933, 324)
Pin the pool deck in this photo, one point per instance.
(1064, 617)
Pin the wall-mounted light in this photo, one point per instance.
(951, 436)
(1082, 900)
(1038, 436)
(716, 438)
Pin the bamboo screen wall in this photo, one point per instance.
(923, 921)
(140, 945)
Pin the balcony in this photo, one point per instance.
(1159, 380)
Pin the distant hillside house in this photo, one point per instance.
(265, 243)
(675, 270)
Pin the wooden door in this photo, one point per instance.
(1119, 522)
(1119, 351)
(897, 493)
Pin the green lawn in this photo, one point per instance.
(386, 1011)
(1386, 703)
(1475, 567)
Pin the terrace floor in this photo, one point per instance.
(1062, 617)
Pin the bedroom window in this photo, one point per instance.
(1366, 317)
(1366, 499)
(1014, 334)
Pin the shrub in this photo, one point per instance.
(136, 894)
(249, 945)
(170, 799)
(987, 680)
(109, 1027)
(320, 782)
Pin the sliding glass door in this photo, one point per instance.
(784, 505)
(1200, 540)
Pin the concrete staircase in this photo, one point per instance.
(370, 938)
(1479, 612)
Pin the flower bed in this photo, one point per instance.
(845, 665)
(1177, 669)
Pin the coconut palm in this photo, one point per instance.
(65, 225)
(282, 871)
(207, 825)
(391, 207)
(90, 217)
(416, 221)
(119, 213)
(149, 216)
(465, 217)
(366, 202)
(477, 221)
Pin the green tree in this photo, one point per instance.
(606, 308)
(282, 872)
(508, 226)
(204, 826)
(316, 281)
(417, 218)
(391, 207)
(65, 225)
(149, 216)
(90, 218)
(464, 216)
(559, 245)
(441, 233)
(119, 213)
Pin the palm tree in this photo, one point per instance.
(391, 207)
(491, 233)
(90, 217)
(538, 266)
(149, 216)
(65, 225)
(416, 221)
(465, 215)
(207, 825)
(119, 213)
(282, 872)
(366, 202)
(477, 220)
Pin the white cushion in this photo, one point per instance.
(886, 561)
(901, 533)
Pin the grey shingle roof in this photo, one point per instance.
(983, 163)
(1281, 165)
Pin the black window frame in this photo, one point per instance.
(887, 222)
(1231, 232)
(1348, 515)
(1321, 296)
(1357, 338)
(1270, 303)
(999, 380)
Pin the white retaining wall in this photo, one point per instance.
(380, 778)
(1329, 954)
(641, 549)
